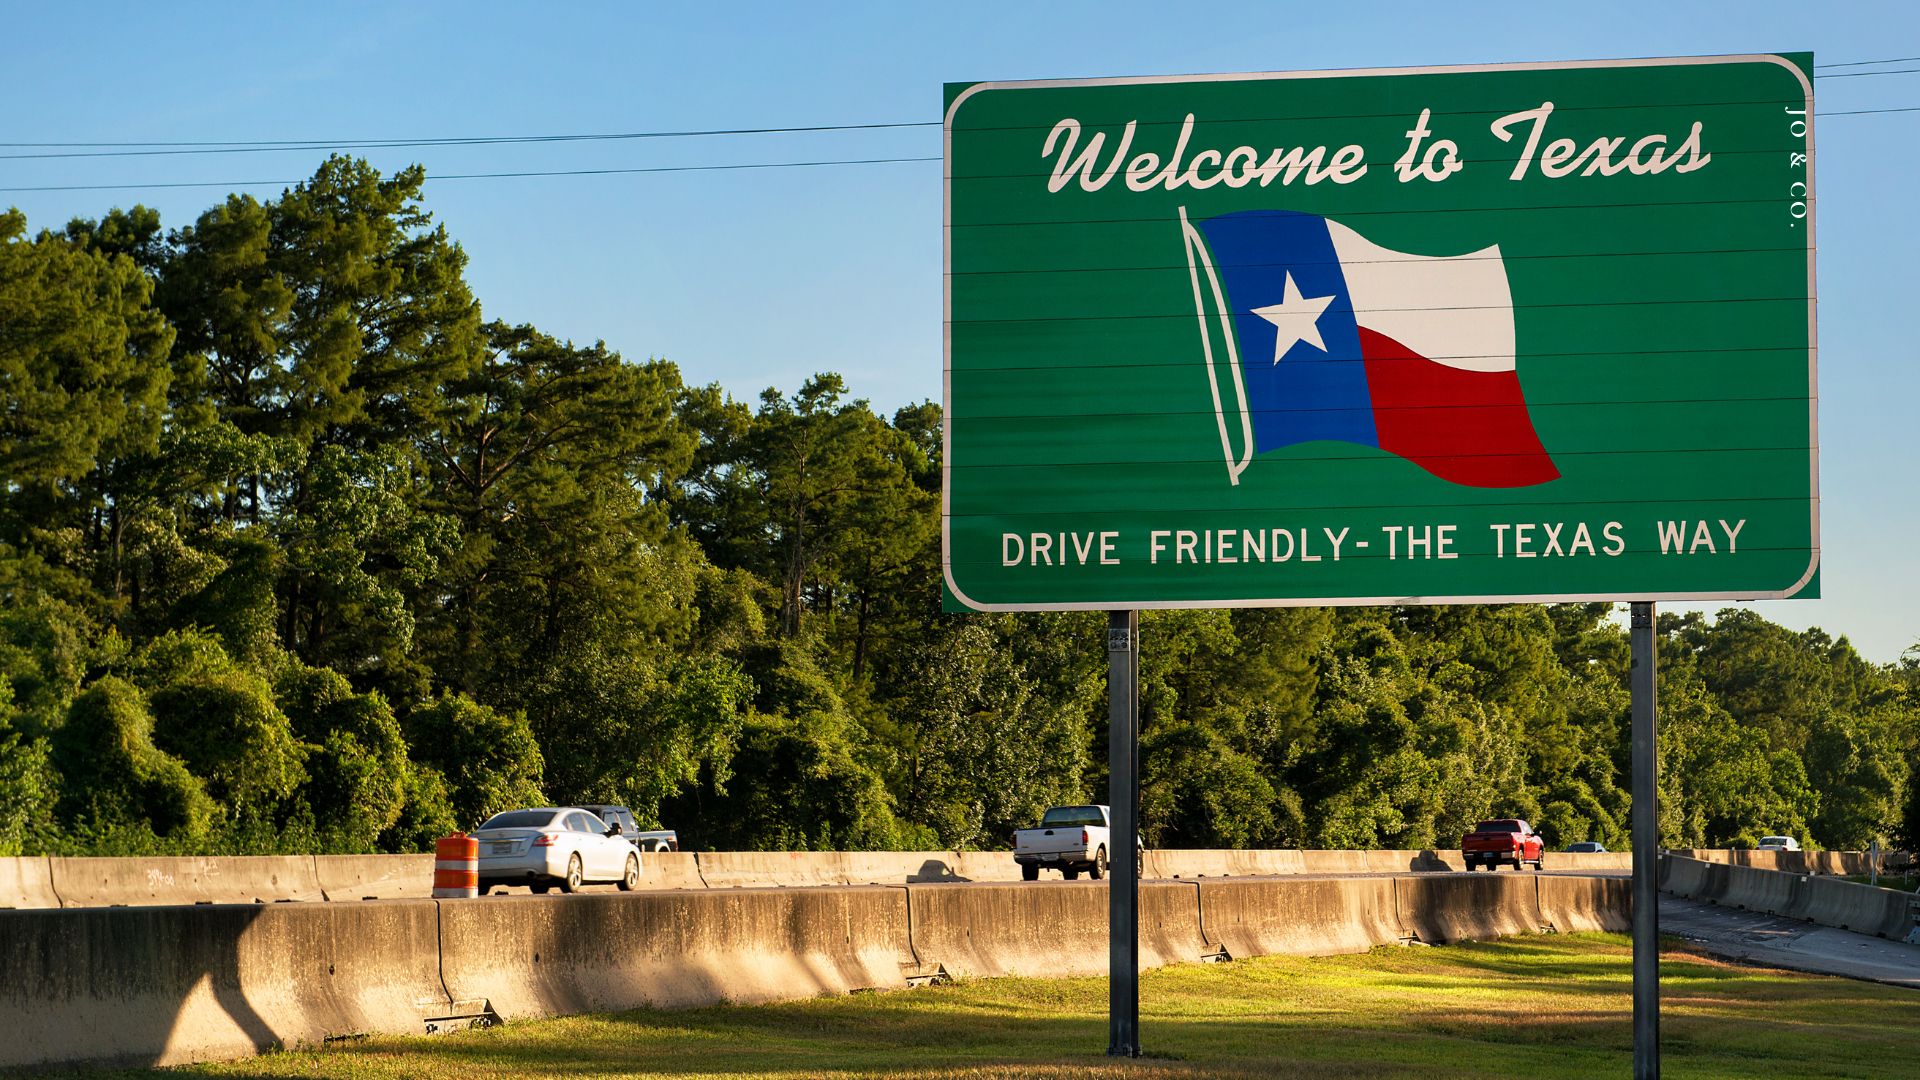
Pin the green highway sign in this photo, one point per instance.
(1524, 332)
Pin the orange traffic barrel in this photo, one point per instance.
(456, 866)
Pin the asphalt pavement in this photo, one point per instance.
(1763, 940)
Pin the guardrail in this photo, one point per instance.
(42, 882)
(178, 984)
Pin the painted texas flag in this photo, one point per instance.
(1330, 336)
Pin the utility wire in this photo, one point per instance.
(266, 146)
(172, 149)
(255, 146)
(1857, 74)
(1869, 63)
(325, 144)
(485, 176)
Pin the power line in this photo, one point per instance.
(1869, 63)
(174, 149)
(252, 145)
(486, 176)
(1857, 74)
(272, 146)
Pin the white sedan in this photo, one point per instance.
(550, 846)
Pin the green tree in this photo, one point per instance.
(219, 717)
(489, 760)
(112, 774)
(830, 480)
(994, 714)
(28, 786)
(358, 774)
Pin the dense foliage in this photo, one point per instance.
(299, 552)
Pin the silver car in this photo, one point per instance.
(553, 845)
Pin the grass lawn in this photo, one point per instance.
(1547, 1006)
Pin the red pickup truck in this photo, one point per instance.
(1507, 840)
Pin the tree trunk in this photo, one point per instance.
(119, 530)
(860, 635)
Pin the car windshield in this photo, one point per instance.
(1497, 826)
(1072, 815)
(1775, 841)
(520, 819)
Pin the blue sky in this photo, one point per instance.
(756, 278)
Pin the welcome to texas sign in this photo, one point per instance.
(1525, 332)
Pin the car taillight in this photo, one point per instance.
(1084, 838)
(544, 840)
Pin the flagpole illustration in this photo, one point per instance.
(1196, 258)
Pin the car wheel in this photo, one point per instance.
(1099, 865)
(575, 876)
(1029, 873)
(630, 880)
(1070, 875)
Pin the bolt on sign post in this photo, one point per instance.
(1531, 332)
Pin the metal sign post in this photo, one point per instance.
(1646, 844)
(1123, 880)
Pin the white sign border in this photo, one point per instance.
(946, 333)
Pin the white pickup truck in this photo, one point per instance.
(1068, 839)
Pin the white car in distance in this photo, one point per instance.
(553, 845)
(1779, 843)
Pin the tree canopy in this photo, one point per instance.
(300, 551)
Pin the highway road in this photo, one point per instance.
(1764, 940)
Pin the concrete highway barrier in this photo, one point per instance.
(62, 882)
(1476, 907)
(1772, 891)
(747, 869)
(262, 879)
(1863, 909)
(374, 877)
(174, 984)
(670, 870)
(1300, 916)
(985, 866)
(1845, 905)
(170, 985)
(1577, 860)
(27, 883)
(1846, 863)
(538, 956)
(1047, 929)
(1571, 904)
(1224, 863)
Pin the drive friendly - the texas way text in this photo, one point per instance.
(1518, 540)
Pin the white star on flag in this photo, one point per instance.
(1295, 318)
